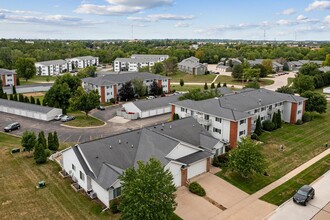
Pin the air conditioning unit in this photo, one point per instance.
(93, 195)
(74, 179)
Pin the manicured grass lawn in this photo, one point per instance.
(290, 80)
(19, 198)
(192, 78)
(83, 121)
(38, 79)
(285, 191)
(230, 80)
(301, 143)
(186, 87)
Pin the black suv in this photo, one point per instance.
(303, 195)
(12, 126)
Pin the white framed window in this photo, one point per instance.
(73, 167)
(116, 192)
(242, 133)
(182, 110)
(299, 112)
(217, 130)
(82, 176)
(242, 121)
(218, 119)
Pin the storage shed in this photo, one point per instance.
(29, 110)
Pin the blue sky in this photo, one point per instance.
(149, 19)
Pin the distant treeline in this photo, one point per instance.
(11, 50)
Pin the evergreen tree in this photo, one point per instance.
(279, 119)
(42, 139)
(1, 90)
(258, 130)
(56, 143)
(39, 153)
(219, 85)
(50, 141)
(15, 97)
(28, 140)
(205, 86)
(11, 97)
(38, 101)
(5, 96)
(212, 86)
(274, 120)
(14, 90)
(20, 98)
(26, 99)
(32, 100)
(224, 85)
(44, 103)
(17, 81)
(181, 82)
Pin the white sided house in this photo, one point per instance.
(52, 67)
(182, 146)
(8, 77)
(38, 112)
(108, 85)
(233, 116)
(83, 62)
(192, 66)
(136, 62)
(147, 108)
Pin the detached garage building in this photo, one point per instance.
(148, 108)
(29, 110)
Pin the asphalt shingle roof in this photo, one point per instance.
(122, 77)
(194, 157)
(148, 56)
(156, 103)
(109, 156)
(52, 62)
(137, 60)
(25, 106)
(6, 72)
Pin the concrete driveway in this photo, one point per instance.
(279, 81)
(76, 135)
(318, 208)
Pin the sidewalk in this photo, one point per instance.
(253, 204)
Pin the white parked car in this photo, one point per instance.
(58, 117)
(150, 97)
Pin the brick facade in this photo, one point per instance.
(304, 106)
(293, 116)
(208, 164)
(173, 111)
(115, 92)
(184, 176)
(3, 80)
(249, 126)
(102, 94)
(233, 133)
(169, 86)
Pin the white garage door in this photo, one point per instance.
(197, 168)
(145, 114)
(177, 179)
(152, 112)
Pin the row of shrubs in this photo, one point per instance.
(308, 116)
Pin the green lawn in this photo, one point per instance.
(38, 79)
(285, 191)
(20, 199)
(186, 87)
(301, 143)
(290, 80)
(230, 80)
(192, 78)
(83, 121)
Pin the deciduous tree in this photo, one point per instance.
(126, 92)
(25, 68)
(285, 89)
(316, 102)
(138, 87)
(85, 101)
(28, 140)
(148, 192)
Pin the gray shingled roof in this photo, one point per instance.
(109, 156)
(255, 98)
(6, 72)
(84, 58)
(212, 107)
(52, 62)
(224, 91)
(156, 103)
(137, 60)
(25, 106)
(122, 77)
(149, 56)
(192, 158)
(190, 62)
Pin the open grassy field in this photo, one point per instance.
(38, 79)
(36, 95)
(285, 191)
(301, 143)
(192, 78)
(19, 198)
(83, 121)
(186, 87)
(230, 80)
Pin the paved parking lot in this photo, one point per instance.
(318, 208)
(74, 135)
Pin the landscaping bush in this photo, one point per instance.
(114, 205)
(299, 122)
(254, 136)
(216, 162)
(307, 117)
(223, 159)
(268, 125)
(112, 101)
(47, 152)
(197, 189)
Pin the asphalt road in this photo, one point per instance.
(75, 135)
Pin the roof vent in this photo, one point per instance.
(110, 147)
(97, 157)
(119, 141)
(193, 125)
(170, 126)
(132, 146)
(259, 101)
(154, 126)
(163, 124)
(162, 129)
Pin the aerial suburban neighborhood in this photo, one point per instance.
(165, 109)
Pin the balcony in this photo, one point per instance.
(203, 121)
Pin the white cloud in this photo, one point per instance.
(318, 5)
(121, 7)
(37, 17)
(181, 24)
(288, 11)
(327, 19)
(301, 18)
(286, 22)
(158, 17)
